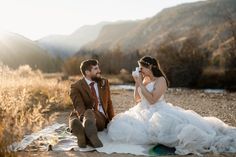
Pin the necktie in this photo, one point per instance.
(94, 96)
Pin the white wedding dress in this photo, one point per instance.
(172, 126)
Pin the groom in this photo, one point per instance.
(92, 105)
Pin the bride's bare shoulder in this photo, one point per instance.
(161, 80)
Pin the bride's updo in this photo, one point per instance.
(153, 64)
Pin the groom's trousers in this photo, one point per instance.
(91, 122)
(101, 121)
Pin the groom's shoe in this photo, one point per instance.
(91, 129)
(77, 129)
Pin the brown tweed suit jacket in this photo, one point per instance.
(82, 98)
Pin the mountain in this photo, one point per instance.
(111, 34)
(66, 45)
(207, 19)
(17, 50)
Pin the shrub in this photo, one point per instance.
(72, 65)
(183, 62)
(25, 103)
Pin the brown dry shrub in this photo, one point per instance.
(27, 102)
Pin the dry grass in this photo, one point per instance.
(26, 102)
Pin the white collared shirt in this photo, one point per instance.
(100, 109)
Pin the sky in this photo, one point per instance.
(35, 19)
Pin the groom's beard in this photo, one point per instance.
(97, 77)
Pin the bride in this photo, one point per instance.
(154, 121)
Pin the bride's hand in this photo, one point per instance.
(138, 80)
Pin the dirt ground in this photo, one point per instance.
(221, 105)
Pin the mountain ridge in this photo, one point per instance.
(204, 17)
(66, 45)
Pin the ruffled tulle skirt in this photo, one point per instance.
(172, 126)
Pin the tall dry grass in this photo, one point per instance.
(27, 102)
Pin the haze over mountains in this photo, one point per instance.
(67, 45)
(17, 50)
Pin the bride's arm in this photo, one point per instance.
(138, 80)
(137, 97)
(159, 90)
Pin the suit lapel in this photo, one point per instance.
(100, 91)
(86, 87)
(101, 95)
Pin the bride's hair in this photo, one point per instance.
(150, 62)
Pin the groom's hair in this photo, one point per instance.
(87, 65)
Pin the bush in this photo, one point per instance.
(27, 102)
(125, 76)
(111, 62)
(72, 65)
(183, 62)
(230, 79)
(212, 78)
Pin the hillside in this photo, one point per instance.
(207, 19)
(111, 35)
(17, 50)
